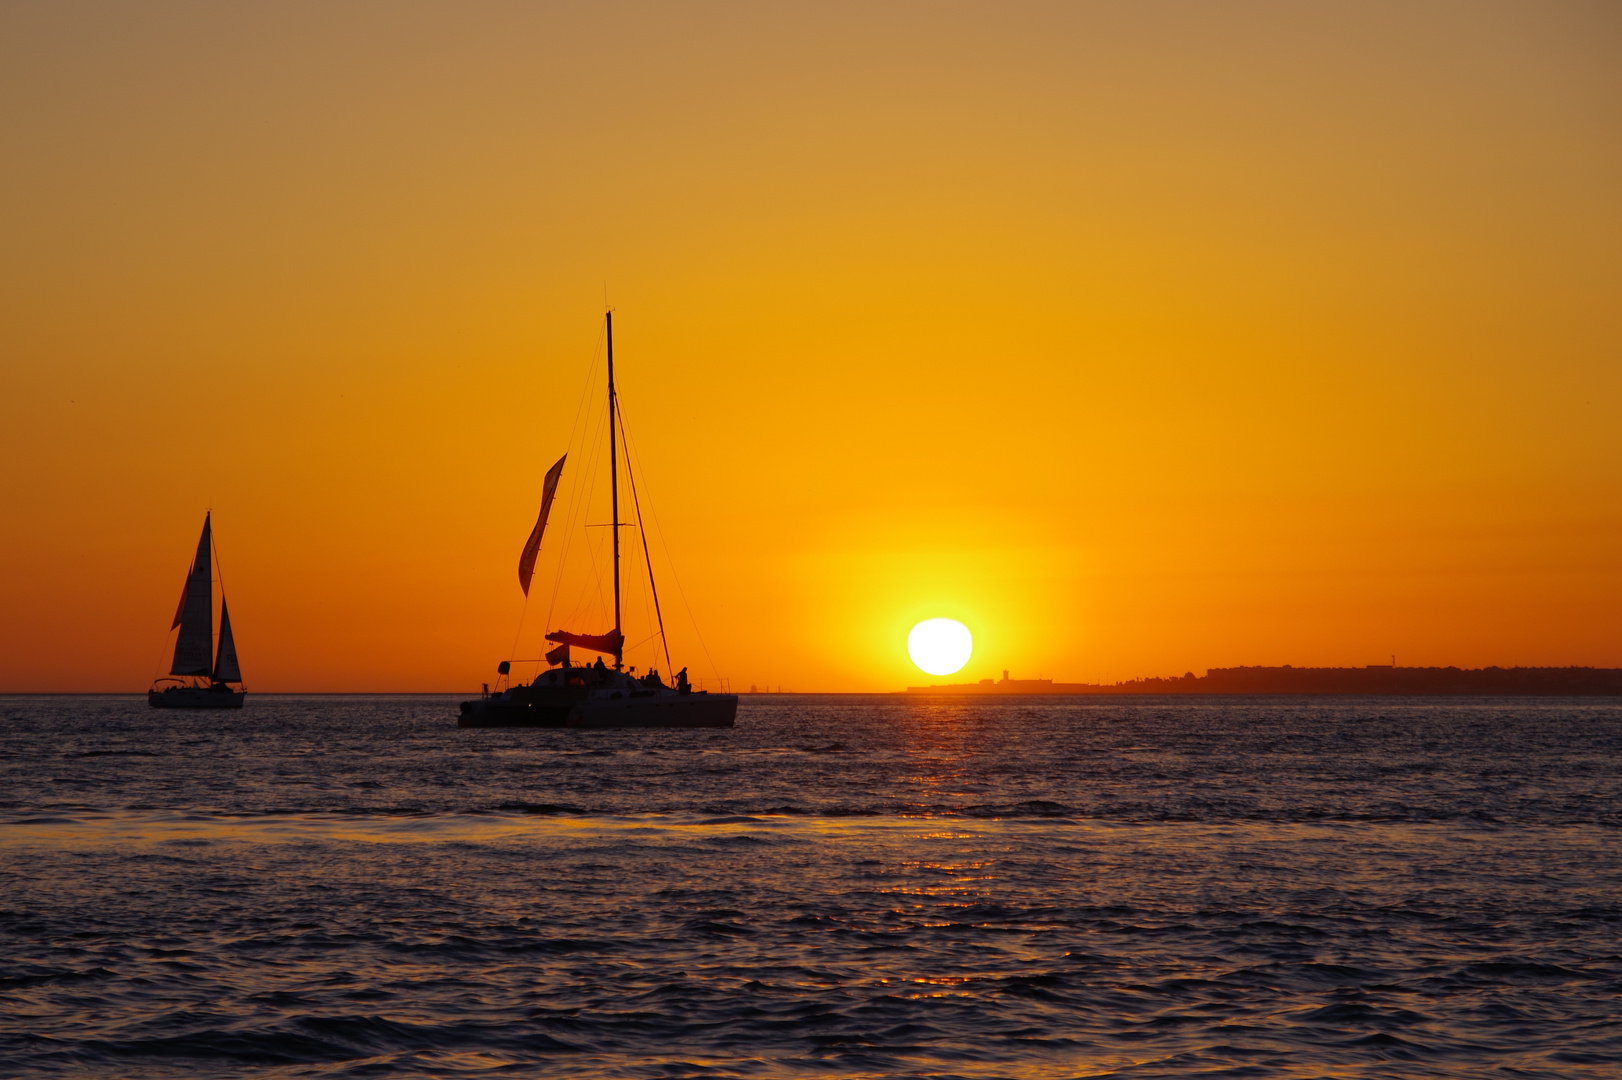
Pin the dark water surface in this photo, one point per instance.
(841, 886)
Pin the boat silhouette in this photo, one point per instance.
(196, 680)
(596, 695)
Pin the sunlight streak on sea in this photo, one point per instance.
(852, 886)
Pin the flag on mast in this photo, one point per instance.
(532, 548)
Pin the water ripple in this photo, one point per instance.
(839, 886)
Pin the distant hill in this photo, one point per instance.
(1375, 679)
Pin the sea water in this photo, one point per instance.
(839, 886)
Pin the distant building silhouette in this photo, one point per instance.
(1373, 679)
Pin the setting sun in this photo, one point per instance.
(940, 646)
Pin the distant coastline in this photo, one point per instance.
(1374, 679)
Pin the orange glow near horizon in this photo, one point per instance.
(1138, 339)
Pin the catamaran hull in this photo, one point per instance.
(510, 714)
(686, 711)
(188, 697)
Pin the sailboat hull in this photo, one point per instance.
(595, 695)
(697, 710)
(196, 697)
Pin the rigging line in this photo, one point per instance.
(647, 559)
(523, 614)
(163, 646)
(665, 544)
(584, 507)
(647, 579)
(580, 407)
(582, 469)
(579, 490)
(591, 552)
(597, 579)
(219, 571)
(642, 580)
(643, 642)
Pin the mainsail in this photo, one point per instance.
(532, 547)
(611, 642)
(196, 615)
(225, 661)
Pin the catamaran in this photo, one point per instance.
(597, 695)
(195, 680)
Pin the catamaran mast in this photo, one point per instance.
(614, 477)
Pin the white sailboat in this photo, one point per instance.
(596, 695)
(202, 672)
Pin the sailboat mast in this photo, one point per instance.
(613, 474)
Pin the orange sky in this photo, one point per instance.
(1143, 338)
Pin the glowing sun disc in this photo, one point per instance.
(940, 646)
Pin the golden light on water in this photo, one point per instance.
(940, 646)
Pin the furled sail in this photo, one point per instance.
(532, 547)
(225, 661)
(611, 642)
(196, 614)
